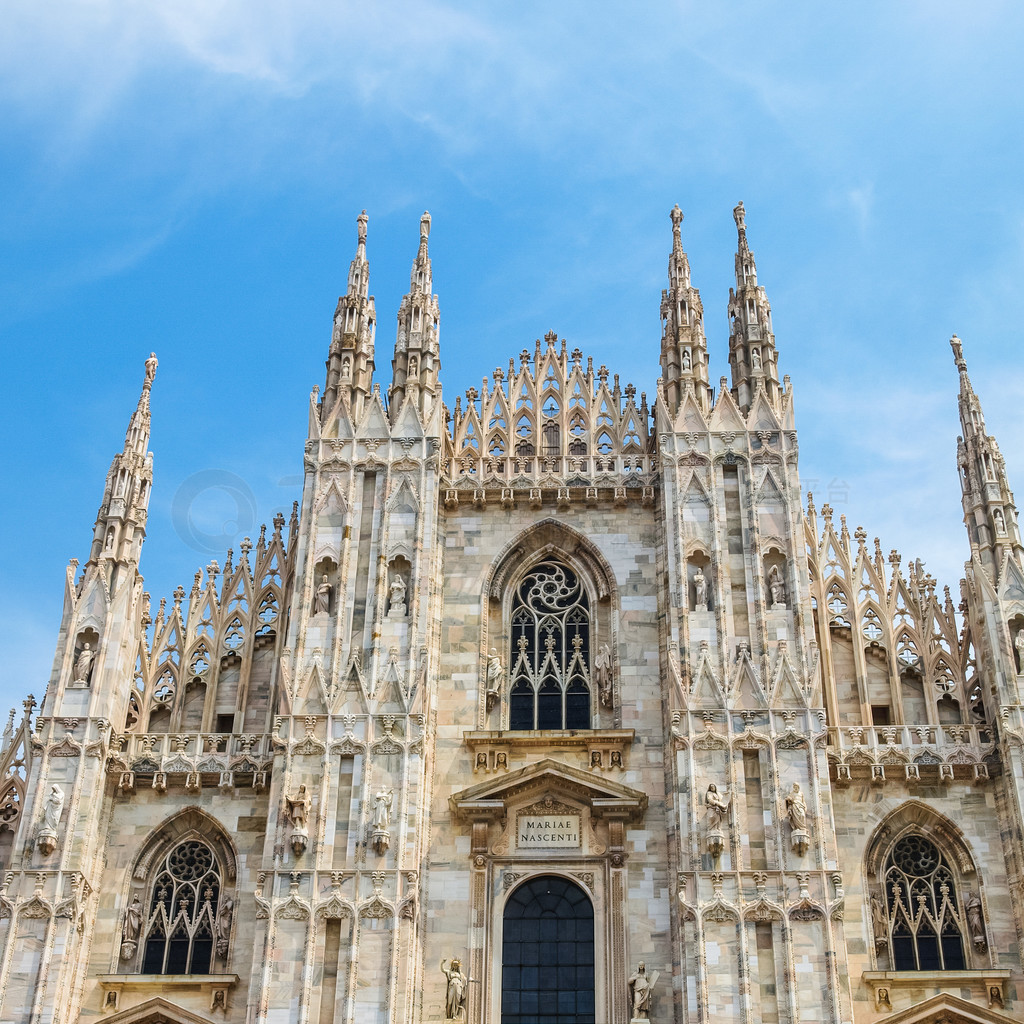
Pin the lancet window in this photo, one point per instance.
(181, 924)
(551, 650)
(925, 921)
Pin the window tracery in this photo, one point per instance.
(181, 924)
(551, 650)
(924, 919)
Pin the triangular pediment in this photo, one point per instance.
(548, 777)
(160, 1011)
(949, 1009)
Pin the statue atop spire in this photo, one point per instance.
(350, 360)
(740, 216)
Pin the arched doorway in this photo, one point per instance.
(547, 973)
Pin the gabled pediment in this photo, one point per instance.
(548, 777)
(947, 1009)
(156, 1011)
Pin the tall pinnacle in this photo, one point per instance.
(121, 521)
(752, 354)
(990, 514)
(684, 354)
(350, 360)
(417, 359)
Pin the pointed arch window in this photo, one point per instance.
(551, 641)
(925, 920)
(180, 927)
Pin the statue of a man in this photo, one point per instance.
(700, 588)
(222, 924)
(755, 359)
(640, 988)
(84, 663)
(776, 585)
(1019, 644)
(323, 596)
(717, 805)
(495, 672)
(52, 807)
(974, 921)
(455, 995)
(382, 804)
(397, 589)
(879, 924)
(603, 674)
(297, 808)
(687, 361)
(796, 808)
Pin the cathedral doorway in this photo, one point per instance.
(547, 974)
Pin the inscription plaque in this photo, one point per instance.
(548, 831)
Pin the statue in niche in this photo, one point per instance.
(346, 369)
(640, 988)
(879, 924)
(700, 590)
(131, 928)
(777, 587)
(84, 663)
(975, 924)
(495, 677)
(222, 925)
(796, 808)
(1000, 522)
(755, 359)
(52, 807)
(1019, 644)
(322, 603)
(717, 805)
(455, 993)
(297, 809)
(397, 590)
(603, 674)
(382, 805)
(687, 361)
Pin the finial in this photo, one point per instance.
(958, 353)
(739, 215)
(151, 365)
(677, 222)
(425, 226)
(362, 221)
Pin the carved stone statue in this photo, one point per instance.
(700, 589)
(382, 805)
(879, 924)
(84, 664)
(495, 677)
(455, 994)
(1019, 644)
(297, 809)
(975, 924)
(777, 587)
(1000, 522)
(52, 807)
(603, 674)
(397, 590)
(223, 925)
(322, 603)
(640, 988)
(687, 361)
(717, 805)
(796, 808)
(755, 359)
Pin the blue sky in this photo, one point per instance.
(185, 176)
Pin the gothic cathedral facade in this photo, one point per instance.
(552, 707)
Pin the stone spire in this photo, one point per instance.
(121, 520)
(350, 360)
(990, 514)
(752, 355)
(417, 359)
(684, 350)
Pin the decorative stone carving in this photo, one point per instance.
(640, 988)
(717, 805)
(223, 925)
(700, 591)
(322, 601)
(396, 609)
(455, 992)
(879, 924)
(297, 812)
(495, 678)
(53, 805)
(131, 928)
(777, 587)
(383, 803)
(603, 674)
(796, 811)
(84, 664)
(975, 923)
